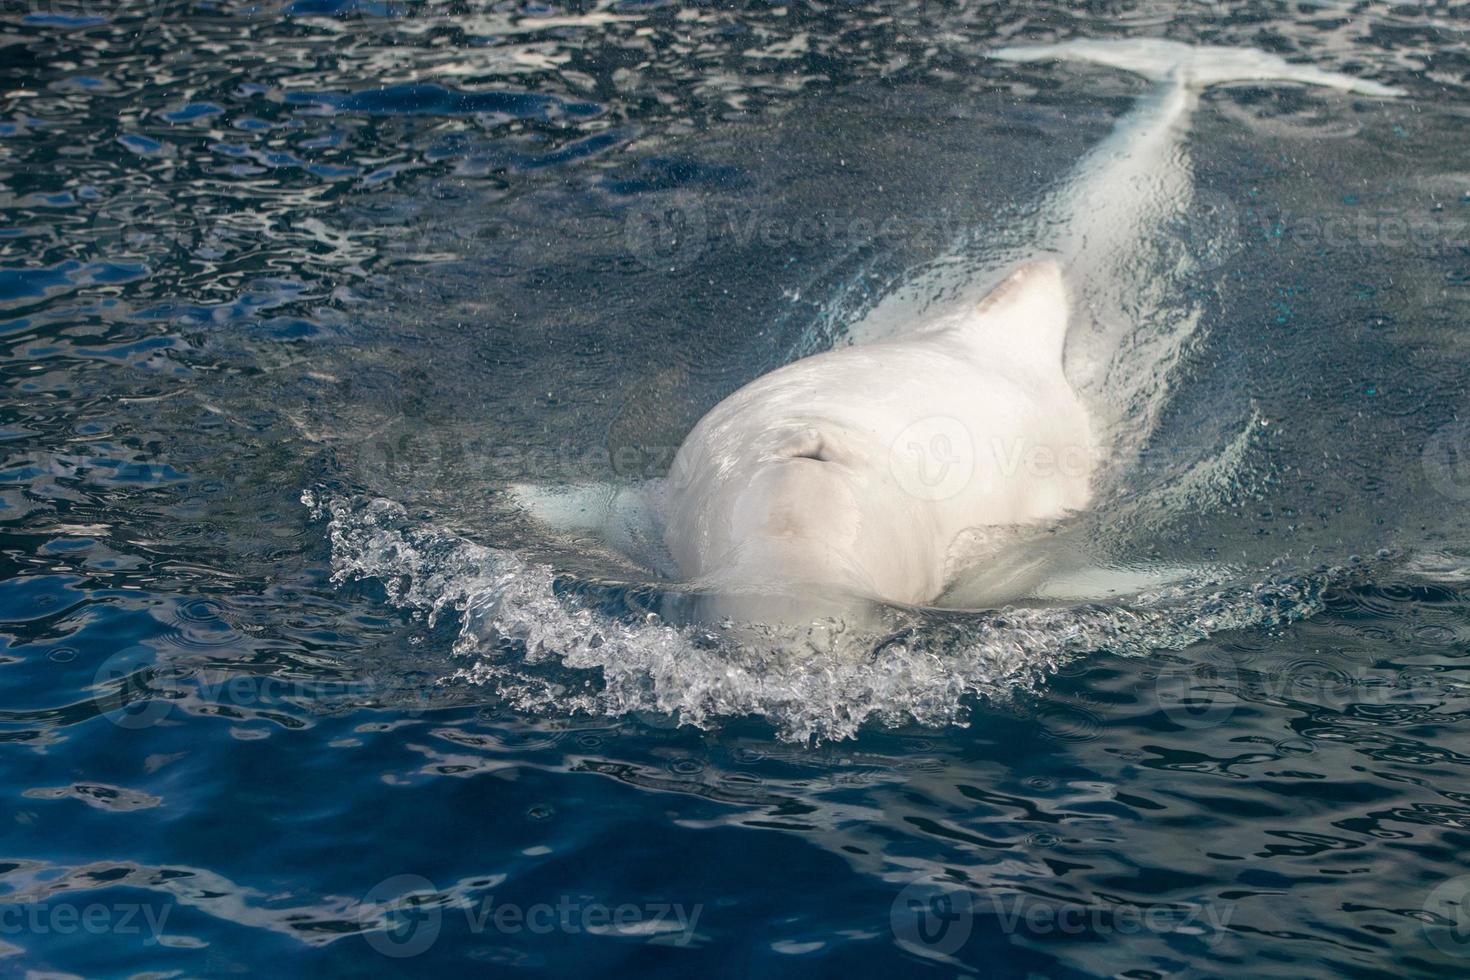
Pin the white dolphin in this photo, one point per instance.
(877, 472)
(856, 472)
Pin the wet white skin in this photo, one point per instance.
(855, 472)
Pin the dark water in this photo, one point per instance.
(291, 293)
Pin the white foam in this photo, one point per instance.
(545, 650)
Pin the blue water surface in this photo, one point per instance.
(290, 293)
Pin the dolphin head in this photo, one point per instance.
(816, 528)
(855, 472)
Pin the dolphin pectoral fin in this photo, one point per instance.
(1024, 318)
(624, 516)
(1197, 67)
(575, 507)
(1099, 583)
(992, 567)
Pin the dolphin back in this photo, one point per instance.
(1023, 320)
(1196, 67)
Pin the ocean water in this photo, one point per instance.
(293, 293)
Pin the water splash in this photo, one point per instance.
(550, 644)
